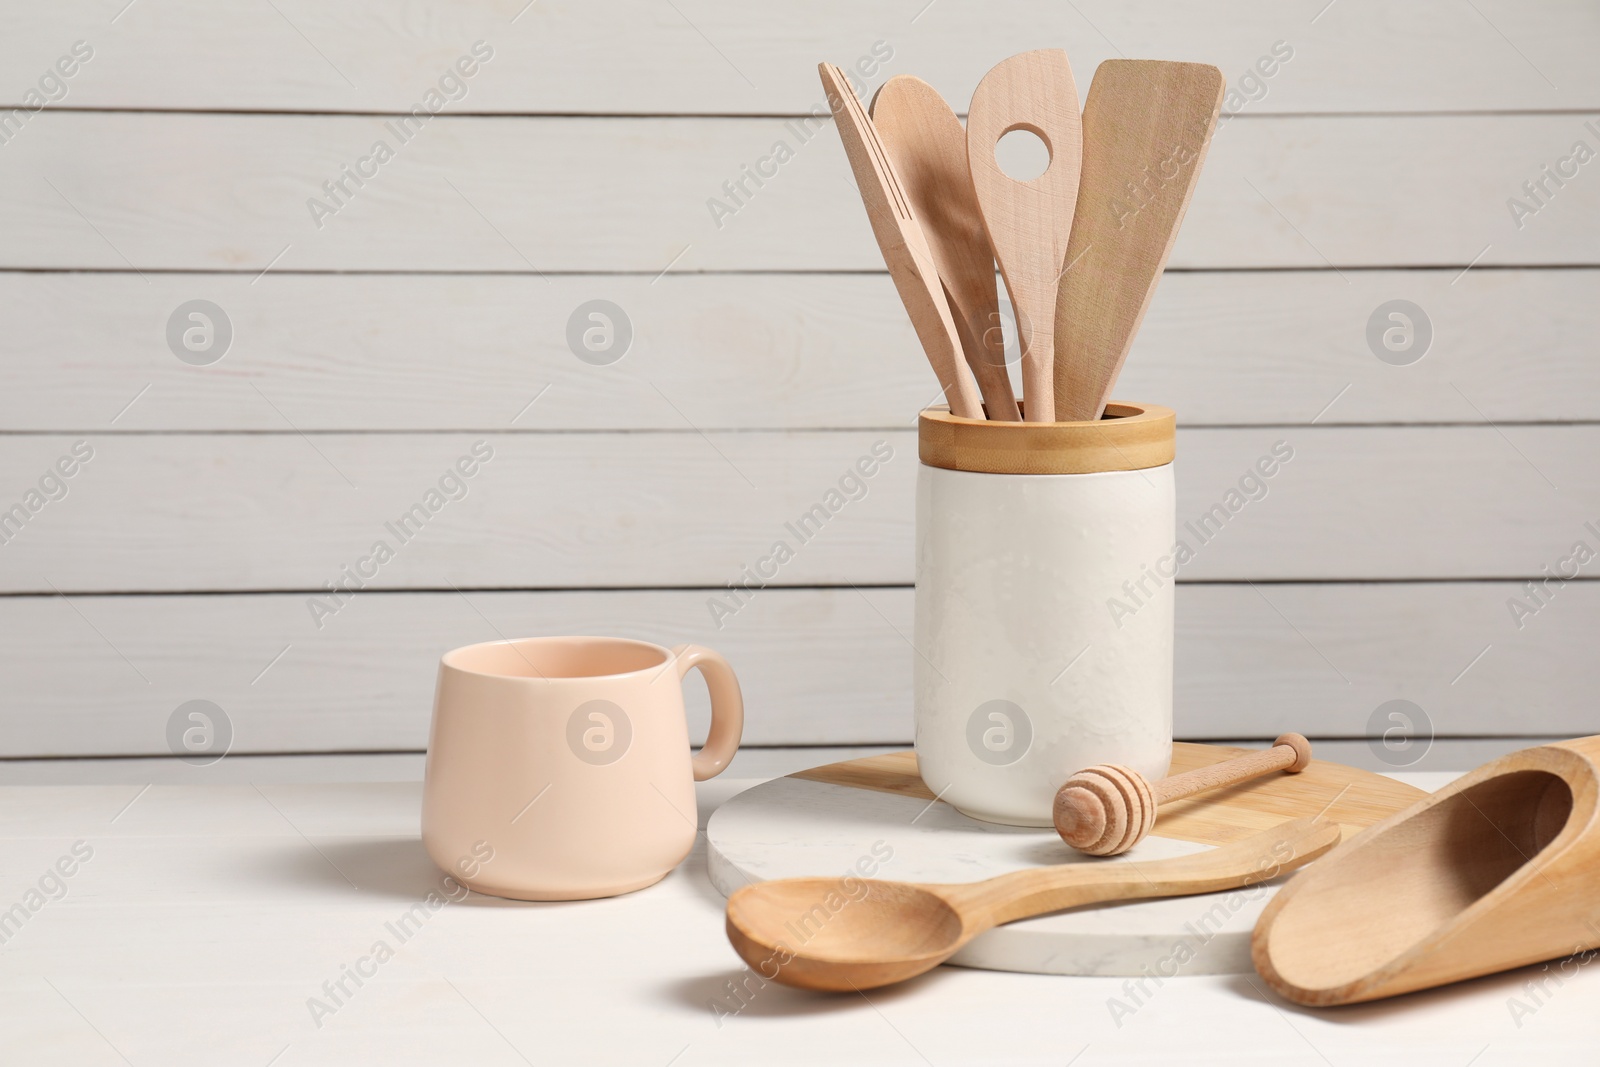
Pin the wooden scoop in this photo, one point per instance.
(1146, 127)
(1496, 870)
(928, 146)
(1106, 810)
(850, 934)
(1029, 222)
(903, 244)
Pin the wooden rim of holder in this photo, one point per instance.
(1129, 437)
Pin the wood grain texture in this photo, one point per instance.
(1492, 872)
(545, 511)
(1146, 128)
(929, 147)
(1133, 437)
(1029, 221)
(1347, 795)
(635, 194)
(903, 244)
(575, 510)
(443, 352)
(364, 681)
(892, 772)
(1246, 666)
(631, 56)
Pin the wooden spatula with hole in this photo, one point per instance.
(1146, 127)
(846, 934)
(928, 146)
(1029, 222)
(901, 240)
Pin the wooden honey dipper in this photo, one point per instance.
(1106, 810)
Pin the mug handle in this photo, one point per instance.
(727, 708)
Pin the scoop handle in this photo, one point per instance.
(1023, 894)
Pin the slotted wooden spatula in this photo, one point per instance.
(928, 145)
(900, 239)
(1146, 127)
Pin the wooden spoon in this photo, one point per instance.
(1146, 127)
(903, 244)
(928, 146)
(1029, 222)
(851, 934)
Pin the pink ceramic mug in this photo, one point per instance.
(565, 761)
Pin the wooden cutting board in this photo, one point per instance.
(829, 819)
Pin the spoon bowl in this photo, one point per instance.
(837, 933)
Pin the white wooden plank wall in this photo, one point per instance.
(630, 194)
(374, 345)
(768, 351)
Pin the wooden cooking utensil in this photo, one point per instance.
(1496, 870)
(901, 240)
(1106, 810)
(1146, 127)
(852, 934)
(928, 146)
(1029, 222)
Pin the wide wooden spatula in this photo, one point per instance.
(1146, 127)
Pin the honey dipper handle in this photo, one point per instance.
(1291, 753)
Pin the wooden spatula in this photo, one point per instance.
(928, 146)
(900, 239)
(1029, 222)
(1146, 127)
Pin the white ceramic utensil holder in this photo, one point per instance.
(1043, 621)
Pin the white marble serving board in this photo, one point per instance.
(791, 827)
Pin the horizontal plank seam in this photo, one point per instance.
(1580, 579)
(534, 431)
(756, 116)
(460, 589)
(845, 746)
(761, 272)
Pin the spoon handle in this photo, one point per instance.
(1257, 858)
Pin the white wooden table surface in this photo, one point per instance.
(205, 919)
